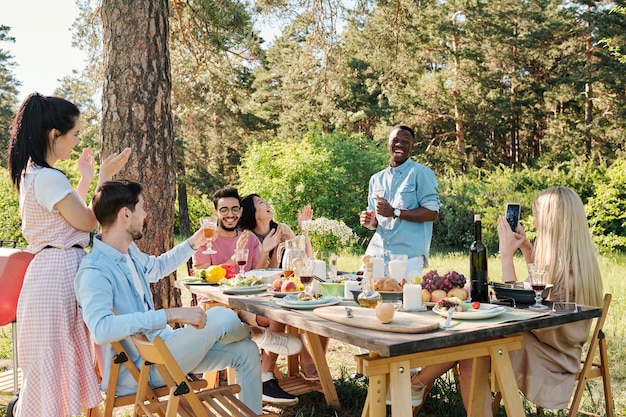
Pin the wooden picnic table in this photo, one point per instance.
(392, 355)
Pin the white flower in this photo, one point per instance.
(328, 234)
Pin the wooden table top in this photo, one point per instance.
(387, 343)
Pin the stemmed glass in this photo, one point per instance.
(306, 276)
(538, 283)
(241, 256)
(209, 228)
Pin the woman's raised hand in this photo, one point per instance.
(243, 239)
(304, 215)
(86, 164)
(272, 239)
(113, 164)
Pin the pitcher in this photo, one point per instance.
(293, 249)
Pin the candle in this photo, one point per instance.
(412, 296)
(379, 267)
(319, 269)
(348, 286)
(397, 269)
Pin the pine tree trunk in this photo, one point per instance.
(137, 113)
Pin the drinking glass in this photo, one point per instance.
(306, 276)
(538, 280)
(241, 256)
(332, 265)
(209, 228)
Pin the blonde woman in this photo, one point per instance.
(547, 363)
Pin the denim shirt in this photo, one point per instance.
(111, 306)
(409, 186)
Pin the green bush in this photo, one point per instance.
(11, 224)
(329, 171)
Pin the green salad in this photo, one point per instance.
(241, 281)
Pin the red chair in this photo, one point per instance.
(13, 264)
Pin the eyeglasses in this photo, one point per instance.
(224, 210)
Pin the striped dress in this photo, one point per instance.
(54, 350)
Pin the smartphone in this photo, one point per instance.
(512, 215)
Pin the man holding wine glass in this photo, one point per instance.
(402, 204)
(228, 239)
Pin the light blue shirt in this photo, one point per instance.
(409, 186)
(111, 306)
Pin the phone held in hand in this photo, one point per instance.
(512, 215)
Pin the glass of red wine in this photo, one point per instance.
(241, 256)
(538, 281)
(306, 276)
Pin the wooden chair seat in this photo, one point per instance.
(182, 399)
(112, 401)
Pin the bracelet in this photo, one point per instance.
(168, 316)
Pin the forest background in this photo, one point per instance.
(506, 98)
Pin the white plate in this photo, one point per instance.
(193, 281)
(293, 299)
(486, 311)
(244, 290)
(281, 294)
(333, 301)
(264, 273)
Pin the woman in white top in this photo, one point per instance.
(53, 344)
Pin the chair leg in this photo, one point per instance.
(606, 378)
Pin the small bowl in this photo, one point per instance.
(332, 288)
(387, 295)
(520, 295)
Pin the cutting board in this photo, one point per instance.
(365, 318)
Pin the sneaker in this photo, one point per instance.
(273, 393)
(281, 344)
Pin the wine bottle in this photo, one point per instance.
(478, 265)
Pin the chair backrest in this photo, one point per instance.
(183, 400)
(597, 341)
(13, 265)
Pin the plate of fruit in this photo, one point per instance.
(281, 287)
(436, 287)
(467, 311)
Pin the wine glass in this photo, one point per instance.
(538, 284)
(209, 229)
(241, 256)
(306, 276)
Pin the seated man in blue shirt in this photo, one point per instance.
(113, 291)
(402, 205)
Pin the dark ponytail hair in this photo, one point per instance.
(35, 118)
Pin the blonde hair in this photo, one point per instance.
(565, 248)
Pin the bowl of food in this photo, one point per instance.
(332, 288)
(387, 295)
(517, 292)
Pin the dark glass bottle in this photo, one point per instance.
(478, 265)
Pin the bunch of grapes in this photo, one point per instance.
(433, 281)
(446, 304)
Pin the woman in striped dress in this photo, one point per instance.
(53, 344)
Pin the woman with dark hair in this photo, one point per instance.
(53, 344)
(258, 217)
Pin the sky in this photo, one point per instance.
(43, 50)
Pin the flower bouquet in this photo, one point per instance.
(328, 235)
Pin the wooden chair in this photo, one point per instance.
(113, 401)
(588, 369)
(591, 369)
(182, 400)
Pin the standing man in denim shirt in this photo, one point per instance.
(402, 204)
(113, 291)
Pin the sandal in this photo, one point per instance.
(308, 372)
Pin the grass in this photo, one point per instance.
(444, 399)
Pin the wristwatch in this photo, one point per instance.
(396, 213)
